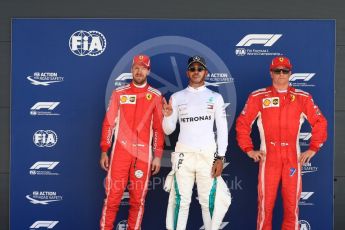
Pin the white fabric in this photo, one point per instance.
(189, 167)
(197, 110)
(140, 86)
(221, 204)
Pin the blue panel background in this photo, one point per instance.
(42, 46)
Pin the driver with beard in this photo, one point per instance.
(198, 156)
(134, 119)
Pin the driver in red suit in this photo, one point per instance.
(280, 111)
(134, 119)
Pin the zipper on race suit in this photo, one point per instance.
(137, 152)
(136, 131)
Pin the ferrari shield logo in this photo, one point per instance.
(148, 96)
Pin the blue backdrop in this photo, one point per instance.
(63, 71)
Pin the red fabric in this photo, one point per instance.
(281, 61)
(279, 116)
(138, 114)
(142, 60)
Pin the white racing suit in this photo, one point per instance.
(214, 196)
(197, 110)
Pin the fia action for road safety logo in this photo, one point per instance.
(138, 174)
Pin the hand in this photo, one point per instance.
(156, 165)
(167, 108)
(306, 156)
(104, 162)
(257, 155)
(217, 168)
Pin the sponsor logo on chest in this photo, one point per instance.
(269, 102)
(195, 119)
(128, 99)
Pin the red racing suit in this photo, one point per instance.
(279, 119)
(134, 117)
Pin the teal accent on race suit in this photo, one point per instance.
(177, 202)
(212, 196)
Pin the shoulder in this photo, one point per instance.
(179, 94)
(213, 93)
(299, 92)
(217, 96)
(262, 91)
(154, 91)
(122, 88)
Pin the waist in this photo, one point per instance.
(184, 147)
(281, 143)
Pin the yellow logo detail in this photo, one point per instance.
(148, 96)
(267, 102)
(123, 99)
(293, 97)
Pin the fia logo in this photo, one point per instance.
(304, 225)
(122, 225)
(240, 52)
(87, 43)
(45, 138)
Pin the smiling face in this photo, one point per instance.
(196, 74)
(280, 77)
(139, 73)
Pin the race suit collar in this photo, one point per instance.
(139, 88)
(275, 91)
(199, 89)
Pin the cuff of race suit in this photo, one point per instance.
(314, 148)
(158, 153)
(222, 203)
(221, 153)
(248, 149)
(104, 148)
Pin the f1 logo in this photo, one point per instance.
(44, 224)
(45, 164)
(259, 39)
(305, 136)
(45, 105)
(301, 76)
(306, 195)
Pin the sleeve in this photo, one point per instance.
(109, 122)
(169, 123)
(244, 124)
(158, 134)
(317, 122)
(222, 126)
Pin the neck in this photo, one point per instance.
(140, 86)
(281, 87)
(196, 85)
